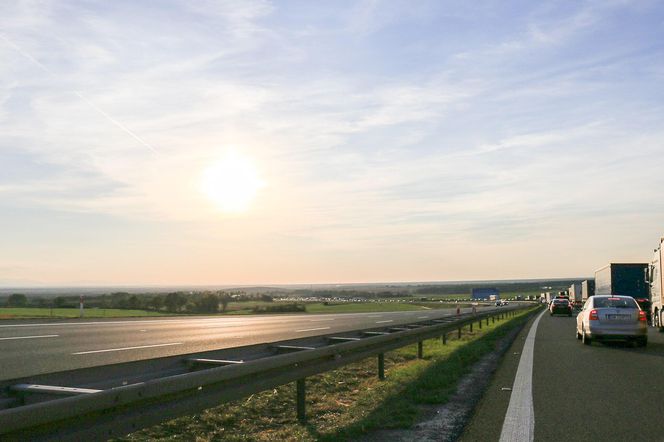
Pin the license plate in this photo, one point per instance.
(619, 317)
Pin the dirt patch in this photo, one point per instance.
(446, 422)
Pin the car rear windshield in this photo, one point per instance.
(615, 303)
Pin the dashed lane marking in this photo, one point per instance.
(28, 337)
(126, 348)
(312, 329)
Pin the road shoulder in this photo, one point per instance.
(487, 420)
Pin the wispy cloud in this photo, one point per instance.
(375, 124)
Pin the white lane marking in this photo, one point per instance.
(125, 348)
(28, 337)
(519, 423)
(422, 317)
(312, 329)
(387, 320)
(322, 320)
(144, 330)
(374, 316)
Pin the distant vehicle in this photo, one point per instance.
(499, 303)
(605, 318)
(560, 307)
(655, 279)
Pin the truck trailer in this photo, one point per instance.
(656, 284)
(622, 279)
(574, 292)
(587, 289)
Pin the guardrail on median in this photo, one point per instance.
(103, 414)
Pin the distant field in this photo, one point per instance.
(28, 312)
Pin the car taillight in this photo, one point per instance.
(593, 315)
(642, 315)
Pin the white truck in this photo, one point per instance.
(655, 279)
(587, 289)
(575, 295)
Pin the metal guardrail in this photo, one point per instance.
(114, 412)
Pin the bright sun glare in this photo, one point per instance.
(231, 182)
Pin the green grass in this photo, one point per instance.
(346, 403)
(30, 312)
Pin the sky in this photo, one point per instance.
(258, 142)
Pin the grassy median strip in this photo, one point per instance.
(348, 402)
(41, 312)
(239, 308)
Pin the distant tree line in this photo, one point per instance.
(173, 302)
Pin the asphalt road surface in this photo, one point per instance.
(35, 347)
(605, 392)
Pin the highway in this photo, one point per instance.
(35, 347)
(602, 392)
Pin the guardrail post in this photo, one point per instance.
(420, 350)
(444, 338)
(459, 334)
(480, 324)
(301, 395)
(471, 327)
(493, 319)
(487, 321)
(381, 366)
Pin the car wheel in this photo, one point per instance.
(586, 339)
(578, 335)
(642, 342)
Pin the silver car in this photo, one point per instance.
(606, 318)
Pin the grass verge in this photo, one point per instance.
(346, 403)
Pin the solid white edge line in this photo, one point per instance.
(125, 348)
(381, 322)
(519, 423)
(312, 329)
(28, 337)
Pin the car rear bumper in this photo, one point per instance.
(617, 332)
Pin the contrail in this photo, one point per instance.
(114, 121)
(80, 95)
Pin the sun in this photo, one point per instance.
(231, 182)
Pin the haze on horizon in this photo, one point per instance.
(260, 142)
